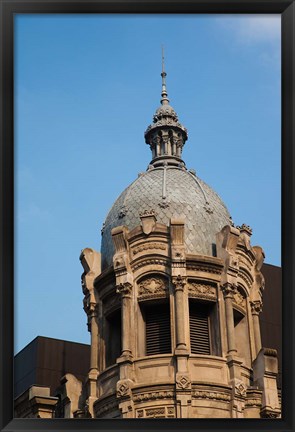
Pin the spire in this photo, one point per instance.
(165, 136)
(164, 100)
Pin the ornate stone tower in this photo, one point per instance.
(173, 300)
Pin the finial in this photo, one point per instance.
(164, 100)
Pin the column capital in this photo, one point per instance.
(179, 282)
(228, 290)
(125, 289)
(256, 307)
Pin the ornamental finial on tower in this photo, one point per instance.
(166, 136)
(164, 100)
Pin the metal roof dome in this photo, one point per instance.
(168, 189)
(185, 195)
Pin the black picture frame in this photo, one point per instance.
(10, 7)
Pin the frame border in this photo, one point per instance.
(7, 10)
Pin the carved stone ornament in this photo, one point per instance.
(158, 412)
(245, 228)
(270, 352)
(119, 262)
(148, 246)
(240, 389)
(183, 382)
(208, 208)
(201, 290)
(163, 204)
(256, 307)
(153, 287)
(234, 261)
(149, 261)
(239, 299)
(147, 213)
(270, 413)
(125, 289)
(123, 212)
(204, 394)
(179, 282)
(123, 389)
(228, 290)
(148, 220)
(253, 402)
(155, 395)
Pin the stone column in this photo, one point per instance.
(256, 308)
(158, 147)
(178, 150)
(228, 291)
(125, 289)
(94, 336)
(179, 283)
(173, 147)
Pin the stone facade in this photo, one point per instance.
(236, 378)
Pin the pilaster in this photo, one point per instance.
(265, 370)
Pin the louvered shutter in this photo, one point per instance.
(158, 336)
(199, 329)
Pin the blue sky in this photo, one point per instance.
(86, 88)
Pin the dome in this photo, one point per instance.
(171, 192)
(166, 110)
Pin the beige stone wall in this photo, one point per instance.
(150, 267)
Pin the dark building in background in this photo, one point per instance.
(38, 372)
(271, 315)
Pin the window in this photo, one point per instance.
(157, 329)
(113, 337)
(242, 338)
(199, 328)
